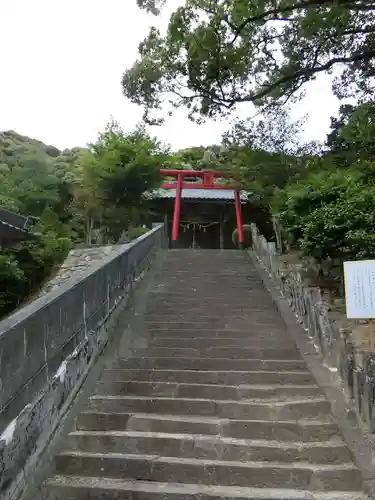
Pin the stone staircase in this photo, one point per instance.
(219, 405)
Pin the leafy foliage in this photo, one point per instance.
(111, 177)
(330, 214)
(267, 153)
(335, 141)
(298, 203)
(152, 6)
(357, 135)
(12, 278)
(274, 132)
(342, 229)
(87, 195)
(217, 54)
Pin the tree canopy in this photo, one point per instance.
(111, 176)
(215, 55)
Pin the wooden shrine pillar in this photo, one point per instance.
(221, 230)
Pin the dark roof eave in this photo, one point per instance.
(10, 233)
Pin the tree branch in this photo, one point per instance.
(297, 6)
(308, 72)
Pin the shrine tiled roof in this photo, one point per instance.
(14, 227)
(198, 194)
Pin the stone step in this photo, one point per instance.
(207, 391)
(195, 287)
(189, 291)
(192, 295)
(282, 430)
(219, 314)
(174, 274)
(218, 311)
(245, 333)
(196, 300)
(207, 447)
(314, 408)
(192, 298)
(211, 270)
(231, 308)
(210, 279)
(251, 342)
(220, 352)
(344, 477)
(193, 273)
(79, 488)
(211, 364)
(229, 323)
(195, 284)
(210, 377)
(210, 275)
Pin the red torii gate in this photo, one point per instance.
(208, 182)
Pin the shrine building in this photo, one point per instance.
(200, 208)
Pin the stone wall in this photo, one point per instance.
(80, 260)
(47, 348)
(340, 352)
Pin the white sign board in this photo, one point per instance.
(360, 289)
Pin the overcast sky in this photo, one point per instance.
(61, 68)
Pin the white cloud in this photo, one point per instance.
(62, 62)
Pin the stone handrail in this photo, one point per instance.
(47, 347)
(354, 365)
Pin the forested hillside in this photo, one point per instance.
(79, 196)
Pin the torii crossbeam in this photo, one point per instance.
(208, 182)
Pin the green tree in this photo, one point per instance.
(351, 142)
(294, 204)
(129, 164)
(12, 279)
(342, 229)
(330, 215)
(217, 54)
(112, 177)
(334, 140)
(357, 135)
(274, 132)
(153, 6)
(266, 152)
